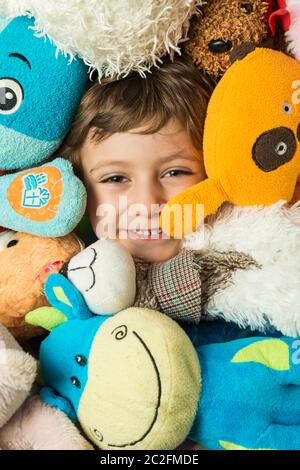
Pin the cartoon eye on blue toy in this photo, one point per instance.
(39, 94)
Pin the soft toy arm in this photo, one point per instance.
(45, 201)
(37, 426)
(191, 207)
(176, 285)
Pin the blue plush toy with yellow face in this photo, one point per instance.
(39, 93)
(133, 380)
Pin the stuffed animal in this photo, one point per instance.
(39, 94)
(115, 38)
(105, 275)
(251, 140)
(287, 15)
(31, 425)
(135, 381)
(25, 263)
(222, 25)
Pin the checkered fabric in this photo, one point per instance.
(177, 287)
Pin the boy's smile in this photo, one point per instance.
(130, 176)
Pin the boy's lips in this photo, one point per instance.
(145, 235)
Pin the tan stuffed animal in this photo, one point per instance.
(25, 262)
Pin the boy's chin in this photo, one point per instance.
(153, 251)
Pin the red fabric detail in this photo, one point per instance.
(280, 16)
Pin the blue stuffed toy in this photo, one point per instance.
(39, 93)
(246, 398)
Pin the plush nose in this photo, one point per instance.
(298, 132)
(219, 46)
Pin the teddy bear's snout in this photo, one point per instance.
(219, 46)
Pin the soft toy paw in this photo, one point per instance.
(251, 140)
(39, 94)
(115, 38)
(25, 263)
(105, 275)
(221, 26)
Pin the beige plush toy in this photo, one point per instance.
(25, 262)
(33, 425)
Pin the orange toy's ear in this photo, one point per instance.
(185, 212)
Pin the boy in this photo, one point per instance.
(136, 143)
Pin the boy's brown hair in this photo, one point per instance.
(175, 90)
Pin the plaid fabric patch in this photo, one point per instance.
(177, 287)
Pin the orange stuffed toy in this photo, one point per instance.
(251, 140)
(25, 263)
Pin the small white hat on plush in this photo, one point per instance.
(113, 36)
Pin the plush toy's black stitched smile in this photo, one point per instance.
(159, 391)
(90, 267)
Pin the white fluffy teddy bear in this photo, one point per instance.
(250, 257)
(114, 37)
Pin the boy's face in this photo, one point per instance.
(129, 177)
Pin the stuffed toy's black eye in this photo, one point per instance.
(287, 108)
(247, 8)
(76, 382)
(81, 360)
(11, 96)
(12, 243)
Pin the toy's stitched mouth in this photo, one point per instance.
(159, 392)
(90, 267)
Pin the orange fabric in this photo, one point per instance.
(249, 101)
(54, 186)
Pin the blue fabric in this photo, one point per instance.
(247, 403)
(69, 211)
(58, 357)
(220, 331)
(51, 89)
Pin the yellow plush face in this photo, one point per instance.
(252, 134)
(143, 383)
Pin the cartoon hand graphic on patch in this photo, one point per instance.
(34, 181)
(35, 195)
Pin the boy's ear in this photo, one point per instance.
(62, 295)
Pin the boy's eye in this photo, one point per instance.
(177, 172)
(115, 179)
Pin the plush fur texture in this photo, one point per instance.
(293, 34)
(36, 426)
(113, 37)
(23, 268)
(17, 373)
(265, 293)
(229, 22)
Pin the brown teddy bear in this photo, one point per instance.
(222, 25)
(25, 262)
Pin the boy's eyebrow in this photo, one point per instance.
(183, 155)
(111, 163)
